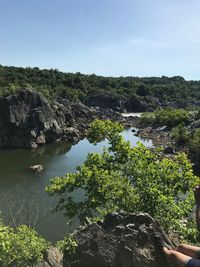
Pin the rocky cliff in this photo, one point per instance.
(122, 103)
(27, 119)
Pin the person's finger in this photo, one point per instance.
(165, 250)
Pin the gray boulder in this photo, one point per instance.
(122, 240)
(52, 258)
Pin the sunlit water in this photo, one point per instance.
(133, 114)
(22, 195)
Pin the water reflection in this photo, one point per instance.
(53, 149)
(22, 195)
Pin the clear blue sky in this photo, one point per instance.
(106, 37)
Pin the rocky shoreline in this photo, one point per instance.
(29, 120)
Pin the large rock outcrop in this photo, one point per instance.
(134, 104)
(28, 119)
(122, 240)
(122, 103)
(104, 100)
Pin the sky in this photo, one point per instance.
(105, 37)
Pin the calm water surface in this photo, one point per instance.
(22, 195)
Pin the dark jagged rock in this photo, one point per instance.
(133, 104)
(120, 103)
(103, 100)
(27, 119)
(122, 240)
(168, 150)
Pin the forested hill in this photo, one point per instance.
(54, 83)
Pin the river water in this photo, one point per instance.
(22, 195)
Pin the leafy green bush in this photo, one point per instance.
(180, 134)
(68, 244)
(194, 146)
(168, 117)
(128, 178)
(171, 117)
(191, 140)
(147, 118)
(99, 130)
(21, 247)
(194, 143)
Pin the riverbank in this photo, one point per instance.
(176, 130)
(158, 135)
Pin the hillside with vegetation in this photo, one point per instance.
(53, 83)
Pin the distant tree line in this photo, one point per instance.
(77, 86)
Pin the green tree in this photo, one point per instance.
(128, 178)
(21, 246)
(180, 134)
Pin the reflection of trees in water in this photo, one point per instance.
(26, 202)
(22, 205)
(55, 149)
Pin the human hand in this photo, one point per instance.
(197, 195)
